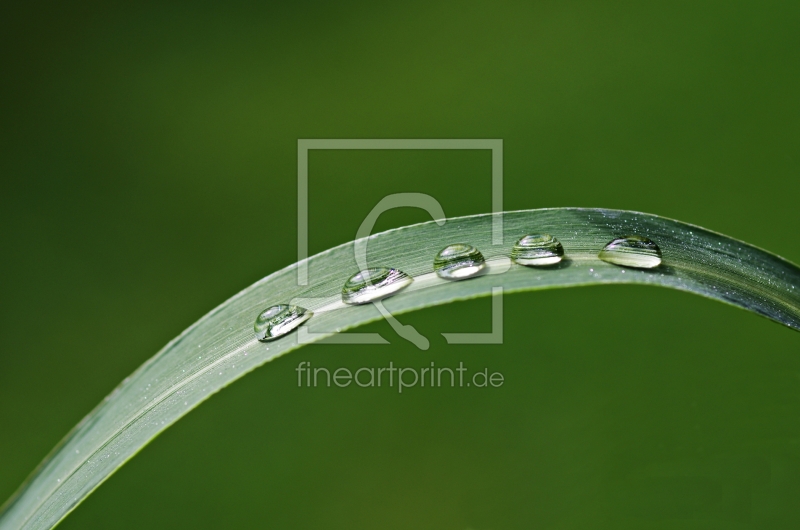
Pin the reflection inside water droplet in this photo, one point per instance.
(536, 250)
(458, 261)
(374, 284)
(278, 320)
(632, 251)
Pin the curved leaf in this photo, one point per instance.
(221, 346)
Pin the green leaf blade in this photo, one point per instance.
(221, 347)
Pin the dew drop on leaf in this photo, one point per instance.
(374, 284)
(536, 250)
(632, 251)
(278, 320)
(459, 261)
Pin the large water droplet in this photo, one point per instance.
(373, 284)
(632, 251)
(537, 250)
(278, 320)
(458, 261)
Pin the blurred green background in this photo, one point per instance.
(148, 162)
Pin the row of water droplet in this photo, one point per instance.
(455, 262)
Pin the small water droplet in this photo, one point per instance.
(373, 284)
(536, 250)
(632, 251)
(278, 320)
(459, 261)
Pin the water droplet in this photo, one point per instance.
(373, 284)
(536, 250)
(458, 261)
(279, 320)
(632, 251)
